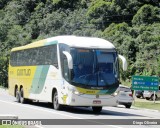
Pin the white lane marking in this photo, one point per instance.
(40, 109)
(103, 124)
(38, 126)
(115, 126)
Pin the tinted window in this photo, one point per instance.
(93, 67)
(46, 55)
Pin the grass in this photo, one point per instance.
(11, 126)
(148, 105)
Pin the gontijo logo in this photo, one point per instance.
(23, 72)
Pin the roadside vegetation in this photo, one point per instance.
(132, 25)
(11, 126)
(147, 105)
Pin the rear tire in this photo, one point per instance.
(97, 109)
(22, 99)
(138, 96)
(147, 98)
(55, 101)
(17, 95)
(128, 105)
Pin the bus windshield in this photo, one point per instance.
(94, 67)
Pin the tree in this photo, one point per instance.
(102, 13)
(3, 71)
(66, 4)
(131, 25)
(147, 40)
(158, 67)
(17, 36)
(16, 13)
(147, 14)
(119, 35)
(3, 3)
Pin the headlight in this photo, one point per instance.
(74, 91)
(115, 94)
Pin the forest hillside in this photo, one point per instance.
(133, 26)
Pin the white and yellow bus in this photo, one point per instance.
(47, 70)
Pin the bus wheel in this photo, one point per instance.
(17, 95)
(22, 99)
(97, 109)
(56, 104)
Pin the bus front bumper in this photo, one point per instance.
(91, 100)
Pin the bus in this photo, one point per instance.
(47, 70)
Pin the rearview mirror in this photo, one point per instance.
(124, 62)
(69, 59)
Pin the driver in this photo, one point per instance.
(80, 70)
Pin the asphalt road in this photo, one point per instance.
(8, 105)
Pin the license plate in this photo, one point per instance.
(123, 94)
(96, 102)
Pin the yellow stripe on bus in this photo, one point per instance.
(32, 45)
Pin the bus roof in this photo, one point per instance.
(71, 41)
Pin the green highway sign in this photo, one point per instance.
(145, 83)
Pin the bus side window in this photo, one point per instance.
(54, 56)
(13, 60)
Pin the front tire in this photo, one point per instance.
(97, 109)
(56, 104)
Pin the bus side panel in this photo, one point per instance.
(46, 78)
(21, 76)
(11, 80)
